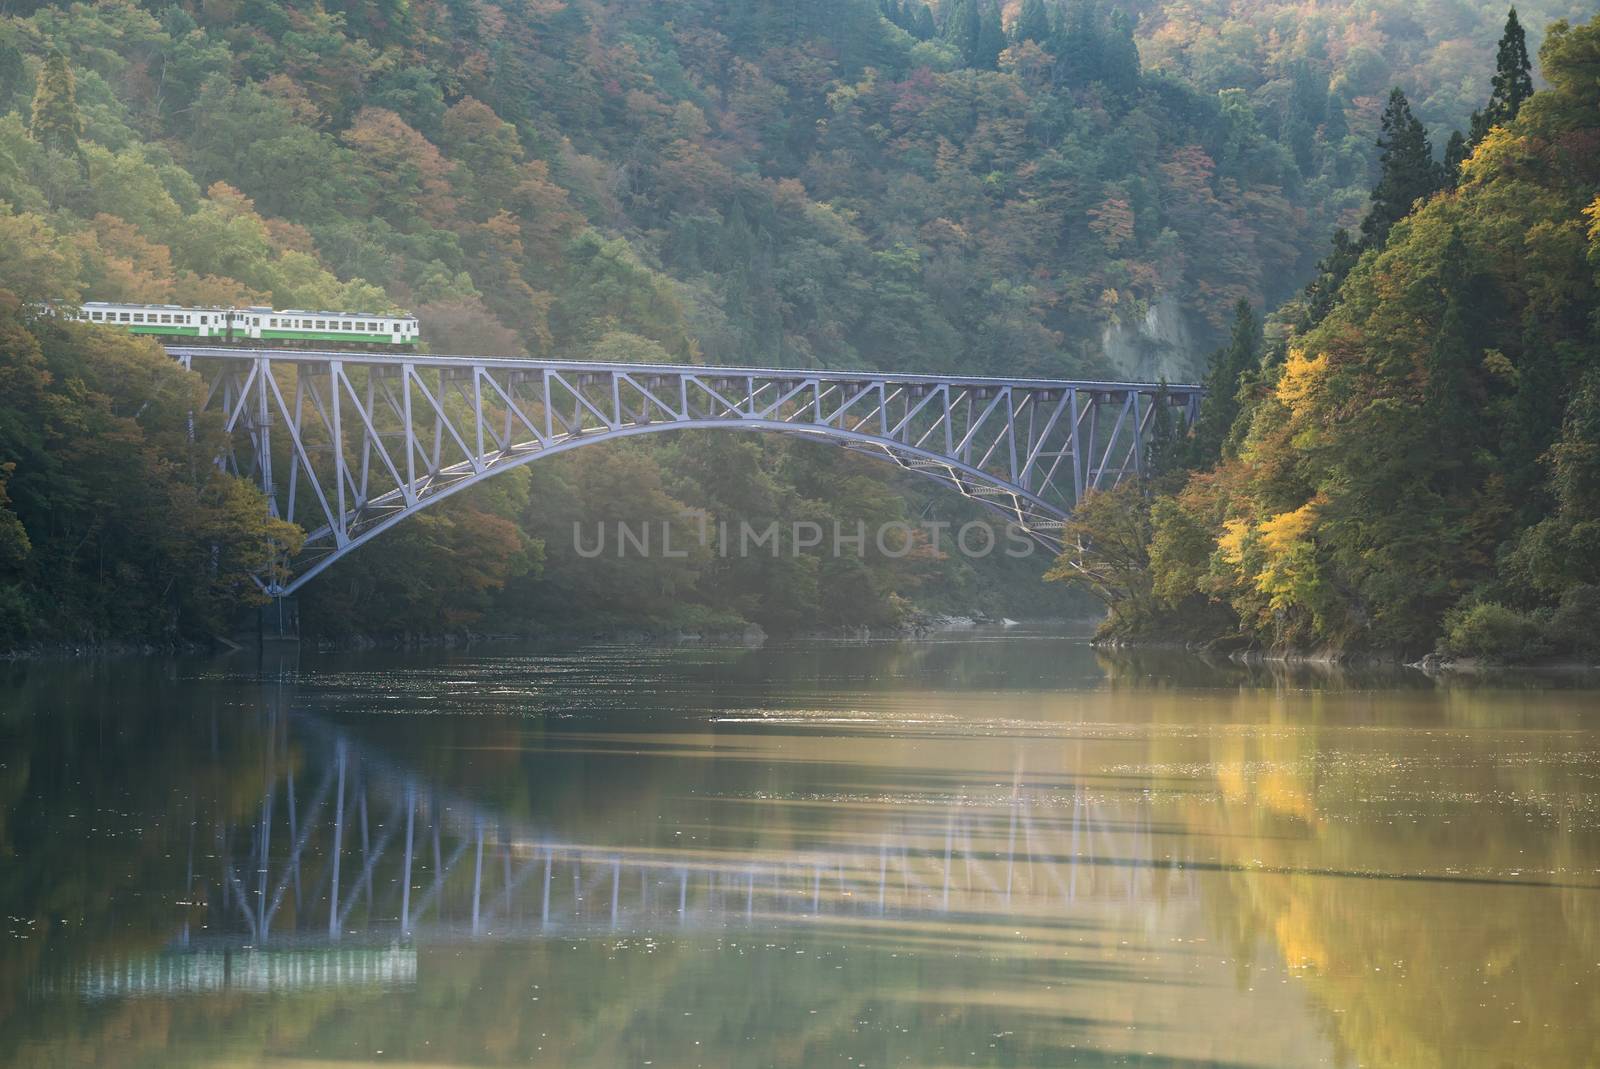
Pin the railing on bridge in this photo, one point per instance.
(349, 444)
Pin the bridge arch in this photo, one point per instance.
(351, 445)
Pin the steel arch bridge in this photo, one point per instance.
(347, 445)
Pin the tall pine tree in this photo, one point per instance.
(1454, 401)
(56, 123)
(991, 38)
(962, 25)
(1225, 373)
(1409, 172)
(1077, 45)
(1512, 83)
(1033, 24)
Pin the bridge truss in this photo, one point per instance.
(349, 444)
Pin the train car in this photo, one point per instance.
(292, 326)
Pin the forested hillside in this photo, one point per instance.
(818, 183)
(1418, 462)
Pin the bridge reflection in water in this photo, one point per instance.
(351, 862)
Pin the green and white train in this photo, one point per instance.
(234, 326)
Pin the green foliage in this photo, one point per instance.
(1226, 376)
(56, 124)
(1490, 632)
(825, 184)
(114, 520)
(1512, 83)
(1407, 172)
(1033, 23)
(1422, 467)
(1572, 626)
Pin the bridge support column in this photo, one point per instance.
(279, 621)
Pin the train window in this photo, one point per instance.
(124, 317)
(138, 317)
(203, 321)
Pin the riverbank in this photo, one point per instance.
(1240, 652)
(917, 625)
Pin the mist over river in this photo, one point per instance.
(992, 848)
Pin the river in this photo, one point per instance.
(988, 848)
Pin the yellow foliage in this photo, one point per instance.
(1232, 540)
(1301, 376)
(1281, 533)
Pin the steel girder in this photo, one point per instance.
(349, 444)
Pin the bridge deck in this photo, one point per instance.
(319, 356)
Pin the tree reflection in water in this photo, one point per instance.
(991, 851)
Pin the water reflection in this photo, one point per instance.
(999, 850)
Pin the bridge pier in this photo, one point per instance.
(279, 621)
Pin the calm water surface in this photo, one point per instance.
(990, 849)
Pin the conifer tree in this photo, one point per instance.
(1119, 61)
(925, 29)
(962, 26)
(56, 123)
(1165, 454)
(1077, 45)
(1455, 154)
(991, 38)
(1033, 24)
(13, 75)
(1409, 172)
(1225, 373)
(1453, 405)
(1322, 293)
(1512, 83)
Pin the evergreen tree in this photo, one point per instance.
(1575, 457)
(1119, 60)
(13, 76)
(1033, 24)
(1225, 373)
(991, 38)
(55, 107)
(1334, 127)
(1322, 293)
(1455, 154)
(1409, 172)
(1512, 83)
(925, 29)
(1453, 402)
(1165, 454)
(962, 26)
(1077, 46)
